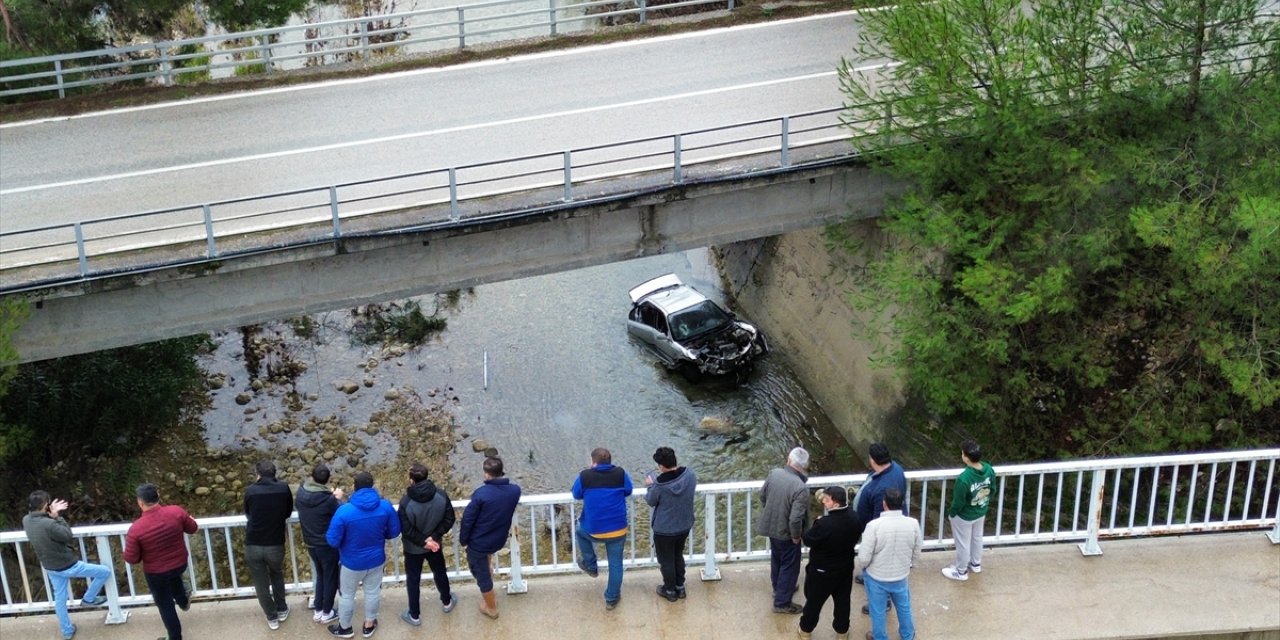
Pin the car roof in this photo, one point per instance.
(667, 293)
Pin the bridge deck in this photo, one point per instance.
(1221, 585)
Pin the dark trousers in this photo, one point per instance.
(821, 583)
(784, 569)
(413, 571)
(326, 578)
(167, 589)
(670, 552)
(266, 565)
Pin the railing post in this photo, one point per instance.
(454, 213)
(1090, 546)
(677, 170)
(165, 65)
(462, 28)
(517, 584)
(1274, 534)
(644, 9)
(84, 259)
(731, 5)
(568, 176)
(208, 231)
(786, 141)
(709, 569)
(333, 211)
(115, 614)
(57, 70)
(551, 4)
(364, 40)
(265, 41)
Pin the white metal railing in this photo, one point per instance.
(321, 43)
(439, 197)
(1084, 500)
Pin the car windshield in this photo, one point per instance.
(700, 319)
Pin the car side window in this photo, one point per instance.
(651, 316)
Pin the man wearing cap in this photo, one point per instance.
(829, 574)
(784, 512)
(890, 547)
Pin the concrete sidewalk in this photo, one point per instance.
(1219, 585)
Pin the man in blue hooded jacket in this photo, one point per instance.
(603, 490)
(359, 531)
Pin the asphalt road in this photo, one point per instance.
(181, 153)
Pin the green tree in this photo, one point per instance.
(245, 15)
(1076, 166)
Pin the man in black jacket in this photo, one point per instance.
(268, 503)
(426, 515)
(831, 541)
(316, 506)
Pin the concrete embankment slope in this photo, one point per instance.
(1207, 586)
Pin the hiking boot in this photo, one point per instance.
(789, 608)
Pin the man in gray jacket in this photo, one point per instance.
(784, 514)
(50, 536)
(670, 493)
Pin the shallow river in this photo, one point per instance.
(562, 377)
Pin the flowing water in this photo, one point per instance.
(544, 371)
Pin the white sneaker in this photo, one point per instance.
(273, 624)
(976, 568)
(951, 572)
(327, 617)
(315, 617)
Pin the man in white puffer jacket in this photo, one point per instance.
(890, 547)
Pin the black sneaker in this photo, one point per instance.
(369, 630)
(789, 608)
(337, 631)
(681, 593)
(610, 605)
(591, 572)
(671, 595)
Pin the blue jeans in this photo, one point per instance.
(61, 581)
(878, 595)
(784, 569)
(613, 551)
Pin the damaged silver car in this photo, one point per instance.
(690, 333)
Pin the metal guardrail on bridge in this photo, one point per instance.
(1084, 500)
(323, 43)
(208, 232)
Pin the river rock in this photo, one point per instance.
(256, 385)
(346, 386)
(479, 445)
(243, 398)
(308, 455)
(202, 491)
(248, 411)
(369, 381)
(715, 424)
(491, 452)
(329, 455)
(219, 479)
(313, 397)
(216, 382)
(392, 394)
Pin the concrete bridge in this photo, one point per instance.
(283, 274)
(1207, 586)
(1184, 546)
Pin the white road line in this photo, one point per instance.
(410, 136)
(587, 50)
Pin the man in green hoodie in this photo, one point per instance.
(968, 511)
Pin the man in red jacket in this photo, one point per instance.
(156, 540)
